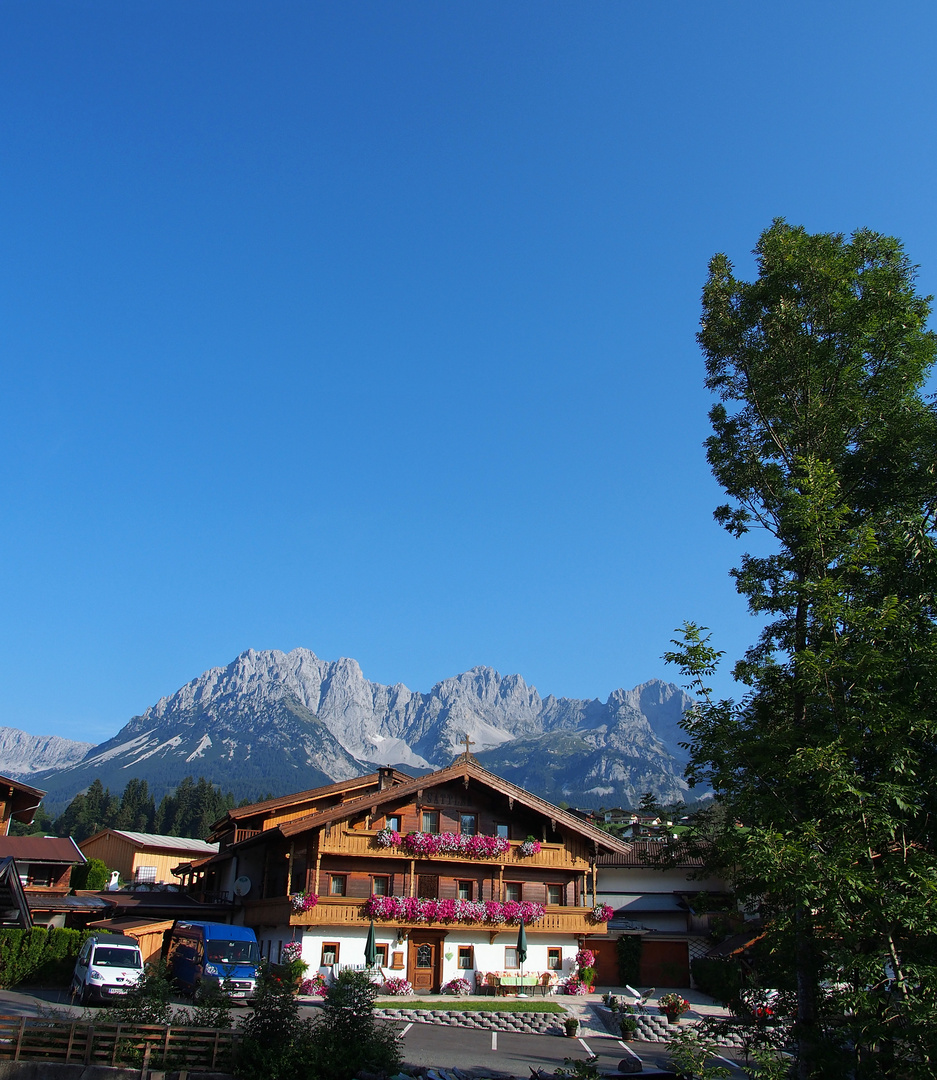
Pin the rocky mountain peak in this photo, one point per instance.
(301, 720)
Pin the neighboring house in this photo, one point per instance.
(14, 908)
(143, 858)
(657, 905)
(18, 802)
(44, 866)
(318, 866)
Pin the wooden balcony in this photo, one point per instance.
(360, 842)
(343, 911)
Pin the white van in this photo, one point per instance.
(108, 965)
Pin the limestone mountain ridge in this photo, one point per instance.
(278, 722)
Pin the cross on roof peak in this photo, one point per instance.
(467, 755)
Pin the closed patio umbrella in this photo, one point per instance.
(521, 946)
(370, 948)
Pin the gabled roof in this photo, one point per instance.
(14, 908)
(648, 853)
(158, 840)
(461, 768)
(24, 799)
(312, 794)
(41, 849)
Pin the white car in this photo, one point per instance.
(108, 966)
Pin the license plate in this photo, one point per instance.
(238, 993)
(118, 990)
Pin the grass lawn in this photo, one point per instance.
(455, 1004)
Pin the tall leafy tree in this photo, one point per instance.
(822, 438)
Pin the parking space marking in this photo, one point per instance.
(629, 1052)
(732, 1064)
(586, 1046)
(494, 1040)
(406, 1029)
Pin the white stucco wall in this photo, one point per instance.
(488, 956)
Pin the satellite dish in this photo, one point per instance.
(242, 886)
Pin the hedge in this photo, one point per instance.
(721, 979)
(629, 959)
(39, 956)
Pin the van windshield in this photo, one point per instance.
(232, 952)
(113, 956)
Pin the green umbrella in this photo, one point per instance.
(370, 949)
(521, 945)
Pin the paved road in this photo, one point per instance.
(509, 1053)
(516, 1054)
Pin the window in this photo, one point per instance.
(431, 821)
(554, 959)
(555, 894)
(144, 873)
(337, 883)
(380, 885)
(466, 957)
(465, 890)
(513, 891)
(382, 955)
(329, 953)
(510, 957)
(427, 886)
(392, 822)
(503, 831)
(468, 824)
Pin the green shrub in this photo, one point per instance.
(347, 1038)
(93, 874)
(629, 959)
(148, 1001)
(39, 956)
(277, 1044)
(721, 979)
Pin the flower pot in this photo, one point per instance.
(673, 1018)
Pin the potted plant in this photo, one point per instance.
(571, 1023)
(674, 1006)
(629, 1026)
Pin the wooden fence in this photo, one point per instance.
(29, 1038)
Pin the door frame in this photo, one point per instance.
(429, 937)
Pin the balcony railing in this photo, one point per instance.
(337, 911)
(357, 842)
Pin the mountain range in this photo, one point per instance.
(280, 722)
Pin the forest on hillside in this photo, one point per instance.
(188, 810)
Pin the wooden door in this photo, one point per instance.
(606, 961)
(665, 963)
(423, 968)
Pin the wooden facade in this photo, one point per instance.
(333, 843)
(145, 857)
(18, 801)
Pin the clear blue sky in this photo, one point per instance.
(369, 327)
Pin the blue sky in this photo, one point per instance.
(370, 327)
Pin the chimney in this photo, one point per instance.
(385, 776)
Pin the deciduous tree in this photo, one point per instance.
(823, 439)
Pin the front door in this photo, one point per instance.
(423, 966)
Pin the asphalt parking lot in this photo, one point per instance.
(435, 1045)
(514, 1054)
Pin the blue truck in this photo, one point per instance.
(207, 954)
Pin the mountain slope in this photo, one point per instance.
(274, 721)
(22, 755)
